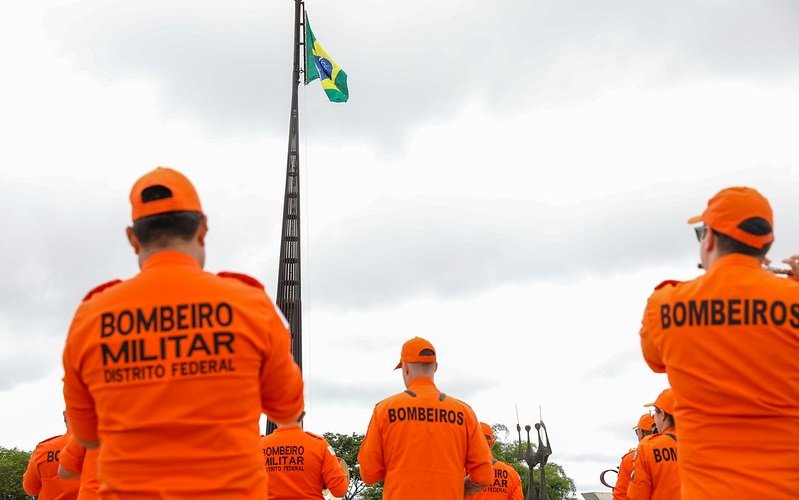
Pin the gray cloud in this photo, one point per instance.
(230, 67)
(614, 365)
(454, 247)
(18, 365)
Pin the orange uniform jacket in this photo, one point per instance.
(78, 459)
(423, 443)
(623, 479)
(656, 474)
(300, 465)
(41, 477)
(729, 341)
(507, 485)
(171, 370)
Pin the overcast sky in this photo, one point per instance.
(509, 179)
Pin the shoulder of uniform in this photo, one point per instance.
(667, 284)
(632, 450)
(45, 441)
(248, 280)
(315, 436)
(94, 291)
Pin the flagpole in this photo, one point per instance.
(288, 296)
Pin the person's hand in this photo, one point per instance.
(793, 262)
(469, 488)
(344, 467)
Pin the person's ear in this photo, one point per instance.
(134, 242)
(711, 240)
(202, 230)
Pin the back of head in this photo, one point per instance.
(742, 219)
(645, 425)
(419, 352)
(488, 432)
(165, 207)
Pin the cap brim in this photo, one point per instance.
(399, 365)
(695, 219)
(650, 404)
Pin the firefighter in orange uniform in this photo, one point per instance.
(299, 465)
(655, 474)
(171, 369)
(421, 441)
(643, 429)
(729, 342)
(41, 477)
(507, 484)
(78, 462)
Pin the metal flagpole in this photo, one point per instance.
(288, 296)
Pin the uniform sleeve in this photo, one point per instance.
(515, 488)
(281, 379)
(623, 479)
(641, 478)
(334, 478)
(649, 328)
(79, 402)
(478, 454)
(72, 455)
(31, 481)
(370, 456)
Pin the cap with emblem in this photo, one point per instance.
(161, 191)
(412, 352)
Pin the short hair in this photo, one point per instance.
(728, 245)
(425, 367)
(162, 229)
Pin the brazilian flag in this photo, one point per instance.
(319, 65)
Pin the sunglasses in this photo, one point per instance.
(700, 231)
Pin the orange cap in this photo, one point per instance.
(645, 423)
(729, 208)
(664, 402)
(488, 432)
(178, 194)
(412, 352)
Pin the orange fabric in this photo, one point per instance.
(730, 207)
(422, 445)
(171, 370)
(300, 465)
(183, 198)
(623, 478)
(729, 341)
(78, 459)
(507, 485)
(41, 477)
(412, 352)
(655, 474)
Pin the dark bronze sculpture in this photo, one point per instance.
(539, 457)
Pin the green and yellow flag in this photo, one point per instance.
(319, 65)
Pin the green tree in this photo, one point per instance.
(347, 446)
(13, 463)
(559, 485)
